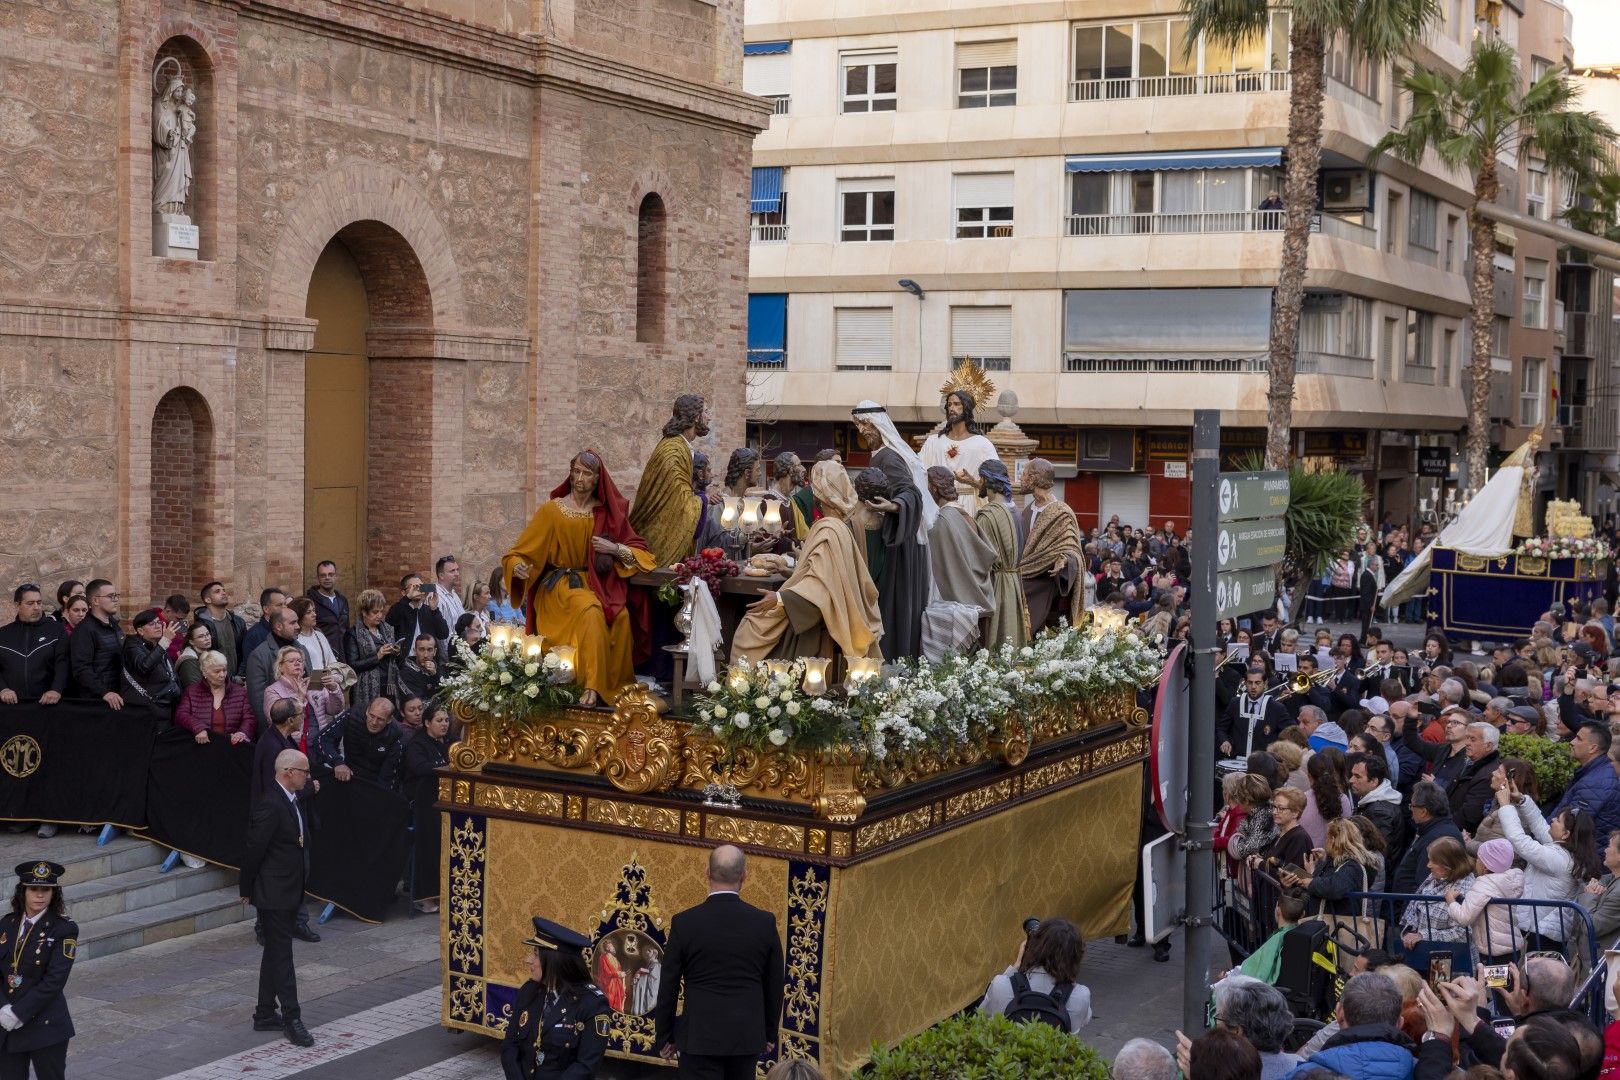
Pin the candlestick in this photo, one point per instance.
(566, 655)
(737, 680)
(815, 676)
(730, 510)
(773, 516)
(750, 513)
(860, 669)
(534, 645)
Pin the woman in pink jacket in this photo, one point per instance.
(320, 703)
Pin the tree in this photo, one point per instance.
(1469, 121)
(1379, 29)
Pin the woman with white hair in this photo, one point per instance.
(1259, 1013)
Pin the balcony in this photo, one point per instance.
(779, 103)
(1418, 374)
(1425, 255)
(1344, 229)
(1320, 363)
(1232, 221)
(767, 359)
(1161, 86)
(767, 234)
(1167, 365)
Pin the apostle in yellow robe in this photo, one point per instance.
(829, 599)
(568, 570)
(667, 508)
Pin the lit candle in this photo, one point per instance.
(1423, 505)
(773, 516)
(777, 668)
(815, 676)
(565, 659)
(499, 635)
(750, 513)
(861, 668)
(534, 646)
(737, 680)
(730, 511)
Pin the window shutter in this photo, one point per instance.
(866, 183)
(865, 337)
(984, 189)
(983, 54)
(767, 76)
(981, 332)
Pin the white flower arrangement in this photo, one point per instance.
(1564, 547)
(502, 681)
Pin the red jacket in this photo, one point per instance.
(195, 712)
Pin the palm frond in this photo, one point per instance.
(1382, 29)
(1225, 22)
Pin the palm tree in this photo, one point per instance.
(1380, 29)
(1469, 121)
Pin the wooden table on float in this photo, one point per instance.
(899, 887)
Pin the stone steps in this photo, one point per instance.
(119, 896)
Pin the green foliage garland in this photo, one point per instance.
(979, 1047)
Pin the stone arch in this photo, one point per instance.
(183, 489)
(370, 194)
(185, 47)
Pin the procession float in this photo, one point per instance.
(1489, 575)
(901, 819)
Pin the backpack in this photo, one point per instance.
(1028, 1004)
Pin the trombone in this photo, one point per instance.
(1301, 684)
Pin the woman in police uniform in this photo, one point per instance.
(37, 945)
(558, 1029)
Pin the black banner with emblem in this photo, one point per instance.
(74, 763)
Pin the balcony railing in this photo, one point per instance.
(1158, 86)
(1336, 226)
(1415, 373)
(1321, 363)
(1166, 365)
(768, 234)
(768, 359)
(1228, 221)
(779, 103)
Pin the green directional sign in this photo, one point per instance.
(1243, 591)
(1242, 545)
(1251, 496)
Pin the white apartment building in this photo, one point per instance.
(1077, 195)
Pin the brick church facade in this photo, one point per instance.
(442, 245)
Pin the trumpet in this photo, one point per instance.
(1367, 672)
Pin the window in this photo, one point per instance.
(1422, 224)
(1530, 391)
(1391, 346)
(767, 207)
(1419, 339)
(651, 259)
(1335, 324)
(1535, 190)
(1539, 69)
(767, 330)
(984, 205)
(986, 74)
(1453, 223)
(1392, 218)
(1156, 58)
(863, 338)
(1534, 316)
(1172, 201)
(765, 71)
(866, 209)
(1448, 356)
(869, 82)
(1501, 327)
(983, 335)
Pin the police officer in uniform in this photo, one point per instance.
(559, 1024)
(37, 945)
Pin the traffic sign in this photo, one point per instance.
(1242, 592)
(1241, 545)
(1250, 496)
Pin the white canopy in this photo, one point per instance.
(1483, 527)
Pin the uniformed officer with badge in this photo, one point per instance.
(559, 1024)
(37, 946)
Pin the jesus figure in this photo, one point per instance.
(960, 448)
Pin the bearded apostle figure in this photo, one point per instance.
(1010, 617)
(667, 510)
(568, 571)
(961, 448)
(829, 599)
(1050, 566)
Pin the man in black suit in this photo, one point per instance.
(729, 956)
(1270, 636)
(274, 865)
(1252, 720)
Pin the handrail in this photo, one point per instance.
(1174, 224)
(1156, 86)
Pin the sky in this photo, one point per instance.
(1597, 31)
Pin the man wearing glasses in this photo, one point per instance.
(96, 644)
(275, 864)
(1449, 758)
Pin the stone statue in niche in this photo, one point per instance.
(174, 131)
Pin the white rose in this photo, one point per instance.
(550, 661)
(713, 687)
(506, 678)
(778, 737)
(793, 708)
(761, 701)
(741, 721)
(720, 711)
(532, 690)
(787, 695)
(531, 669)
(718, 729)
(773, 712)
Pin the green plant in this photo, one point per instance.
(1553, 764)
(980, 1047)
(1324, 509)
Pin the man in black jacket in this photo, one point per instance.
(1431, 819)
(33, 652)
(416, 612)
(96, 645)
(1471, 795)
(1252, 720)
(1449, 758)
(369, 746)
(225, 626)
(728, 957)
(1378, 801)
(331, 606)
(275, 863)
(261, 666)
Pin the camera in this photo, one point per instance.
(1031, 925)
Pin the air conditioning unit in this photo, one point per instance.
(1346, 190)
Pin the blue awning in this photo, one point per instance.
(766, 48)
(1247, 158)
(767, 328)
(766, 194)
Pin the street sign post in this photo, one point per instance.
(1243, 592)
(1243, 545)
(1250, 496)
